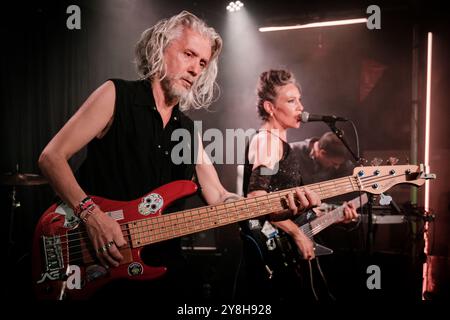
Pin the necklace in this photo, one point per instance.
(270, 131)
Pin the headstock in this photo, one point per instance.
(379, 179)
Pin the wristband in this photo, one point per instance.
(83, 205)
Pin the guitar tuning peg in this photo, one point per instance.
(362, 162)
(376, 162)
(393, 161)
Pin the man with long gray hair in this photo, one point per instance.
(127, 128)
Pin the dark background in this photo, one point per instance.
(47, 71)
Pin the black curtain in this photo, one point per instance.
(47, 71)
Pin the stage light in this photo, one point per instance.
(235, 6)
(314, 25)
(427, 115)
(426, 266)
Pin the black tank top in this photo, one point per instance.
(134, 157)
(287, 176)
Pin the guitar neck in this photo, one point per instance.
(330, 218)
(174, 225)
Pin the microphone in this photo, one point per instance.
(307, 117)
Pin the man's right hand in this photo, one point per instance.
(305, 245)
(106, 236)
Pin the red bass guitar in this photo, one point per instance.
(64, 262)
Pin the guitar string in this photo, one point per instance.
(244, 218)
(90, 245)
(310, 233)
(214, 223)
(196, 210)
(227, 212)
(249, 203)
(358, 203)
(208, 220)
(175, 229)
(155, 220)
(327, 217)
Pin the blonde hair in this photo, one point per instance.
(149, 56)
(268, 82)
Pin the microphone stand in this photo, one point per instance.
(359, 160)
(340, 134)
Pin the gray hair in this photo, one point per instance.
(149, 56)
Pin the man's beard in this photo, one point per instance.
(172, 92)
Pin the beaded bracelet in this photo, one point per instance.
(83, 205)
(86, 213)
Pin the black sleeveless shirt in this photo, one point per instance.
(134, 156)
(286, 176)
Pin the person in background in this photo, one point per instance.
(322, 158)
(271, 165)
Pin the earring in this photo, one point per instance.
(271, 114)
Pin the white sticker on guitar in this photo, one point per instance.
(116, 215)
(268, 230)
(254, 224)
(150, 204)
(71, 220)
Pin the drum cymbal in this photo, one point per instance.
(22, 179)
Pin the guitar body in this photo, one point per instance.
(280, 253)
(278, 269)
(64, 262)
(287, 254)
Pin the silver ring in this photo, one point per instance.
(102, 249)
(109, 244)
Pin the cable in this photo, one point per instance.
(311, 279)
(324, 280)
(243, 234)
(238, 271)
(256, 244)
(356, 139)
